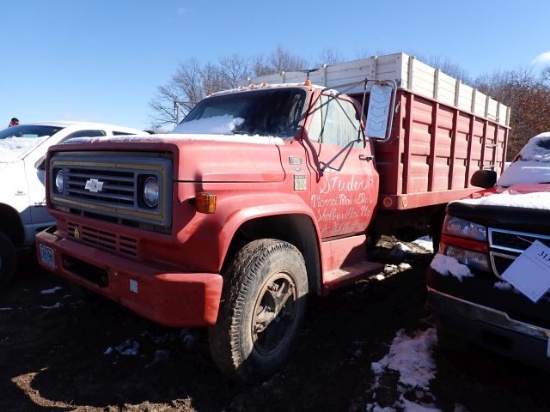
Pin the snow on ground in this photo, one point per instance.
(411, 357)
(51, 291)
(425, 242)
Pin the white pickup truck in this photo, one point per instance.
(22, 192)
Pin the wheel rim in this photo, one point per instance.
(274, 313)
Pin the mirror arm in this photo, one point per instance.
(346, 147)
(392, 105)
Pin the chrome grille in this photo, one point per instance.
(109, 187)
(506, 246)
(117, 187)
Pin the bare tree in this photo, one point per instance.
(235, 68)
(527, 95)
(260, 66)
(182, 92)
(213, 79)
(329, 56)
(545, 76)
(447, 66)
(190, 84)
(282, 60)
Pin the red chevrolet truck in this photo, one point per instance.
(266, 194)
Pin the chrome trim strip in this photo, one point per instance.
(474, 311)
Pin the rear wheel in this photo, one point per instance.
(262, 308)
(8, 259)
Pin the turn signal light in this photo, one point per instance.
(205, 202)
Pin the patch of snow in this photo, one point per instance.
(446, 265)
(410, 356)
(51, 291)
(535, 148)
(127, 348)
(391, 269)
(402, 247)
(503, 286)
(58, 305)
(167, 138)
(225, 124)
(425, 242)
(5, 309)
(409, 406)
(537, 200)
(522, 172)
(374, 407)
(12, 148)
(532, 165)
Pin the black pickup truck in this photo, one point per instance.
(471, 296)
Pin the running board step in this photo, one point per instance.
(345, 276)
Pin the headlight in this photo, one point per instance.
(59, 181)
(464, 228)
(151, 192)
(474, 260)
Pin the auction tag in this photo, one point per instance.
(530, 272)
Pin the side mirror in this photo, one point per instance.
(484, 178)
(381, 108)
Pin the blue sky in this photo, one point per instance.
(102, 60)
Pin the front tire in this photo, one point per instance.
(262, 308)
(8, 259)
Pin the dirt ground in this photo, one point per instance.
(60, 353)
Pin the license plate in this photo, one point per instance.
(46, 255)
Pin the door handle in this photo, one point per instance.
(368, 158)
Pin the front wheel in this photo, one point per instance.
(261, 312)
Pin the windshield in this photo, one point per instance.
(269, 112)
(531, 165)
(17, 140)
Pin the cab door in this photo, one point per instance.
(344, 183)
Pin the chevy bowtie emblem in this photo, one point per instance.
(94, 185)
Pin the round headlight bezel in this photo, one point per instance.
(151, 192)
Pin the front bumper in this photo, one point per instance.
(162, 296)
(477, 317)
